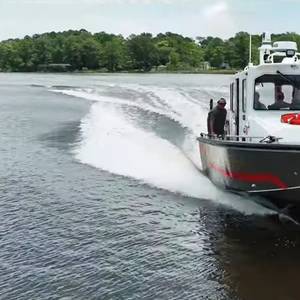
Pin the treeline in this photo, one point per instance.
(82, 50)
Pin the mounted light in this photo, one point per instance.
(290, 53)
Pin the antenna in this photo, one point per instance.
(250, 50)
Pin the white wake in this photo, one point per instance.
(112, 142)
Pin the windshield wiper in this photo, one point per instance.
(285, 77)
(293, 82)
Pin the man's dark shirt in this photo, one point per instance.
(216, 118)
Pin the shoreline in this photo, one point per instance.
(204, 72)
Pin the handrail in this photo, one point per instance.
(229, 136)
(270, 58)
(241, 138)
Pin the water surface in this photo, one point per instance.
(102, 198)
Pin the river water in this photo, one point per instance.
(101, 196)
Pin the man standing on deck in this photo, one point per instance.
(216, 118)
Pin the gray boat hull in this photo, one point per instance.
(271, 171)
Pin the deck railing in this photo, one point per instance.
(240, 138)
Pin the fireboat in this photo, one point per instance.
(259, 154)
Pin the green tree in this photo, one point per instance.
(81, 52)
(214, 50)
(239, 54)
(163, 52)
(9, 57)
(174, 61)
(82, 49)
(142, 51)
(114, 54)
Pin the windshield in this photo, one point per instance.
(277, 92)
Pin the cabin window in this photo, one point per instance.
(244, 95)
(231, 96)
(277, 92)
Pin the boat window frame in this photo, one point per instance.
(237, 99)
(276, 80)
(232, 96)
(244, 95)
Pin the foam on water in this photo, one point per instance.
(111, 141)
(114, 144)
(168, 102)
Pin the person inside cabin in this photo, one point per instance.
(257, 104)
(279, 102)
(216, 118)
(296, 98)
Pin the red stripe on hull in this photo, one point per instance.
(251, 177)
